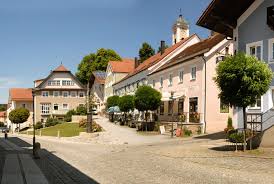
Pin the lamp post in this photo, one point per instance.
(171, 98)
(33, 124)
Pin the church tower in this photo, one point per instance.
(180, 30)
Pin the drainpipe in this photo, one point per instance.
(205, 97)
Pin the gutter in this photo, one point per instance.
(203, 57)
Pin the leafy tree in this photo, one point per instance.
(146, 51)
(126, 103)
(112, 101)
(69, 114)
(90, 63)
(242, 79)
(147, 99)
(81, 110)
(3, 107)
(159, 48)
(19, 115)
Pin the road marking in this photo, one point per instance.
(11, 171)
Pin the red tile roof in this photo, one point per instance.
(21, 94)
(3, 114)
(61, 68)
(194, 50)
(155, 59)
(124, 66)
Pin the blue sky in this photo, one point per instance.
(36, 35)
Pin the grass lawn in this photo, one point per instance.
(66, 130)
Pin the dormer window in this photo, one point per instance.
(270, 17)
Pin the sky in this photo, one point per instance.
(37, 35)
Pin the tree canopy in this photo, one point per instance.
(112, 101)
(147, 98)
(126, 103)
(95, 61)
(242, 79)
(146, 51)
(19, 115)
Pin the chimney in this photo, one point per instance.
(163, 46)
(136, 62)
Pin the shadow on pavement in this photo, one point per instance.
(213, 136)
(54, 168)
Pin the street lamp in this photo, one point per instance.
(33, 124)
(171, 98)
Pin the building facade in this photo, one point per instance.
(187, 86)
(116, 71)
(97, 84)
(20, 98)
(250, 24)
(58, 93)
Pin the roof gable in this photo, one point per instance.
(20, 94)
(124, 66)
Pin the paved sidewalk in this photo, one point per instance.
(18, 166)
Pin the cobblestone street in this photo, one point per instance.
(167, 161)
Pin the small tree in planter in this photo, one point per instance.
(147, 99)
(126, 103)
(18, 116)
(242, 79)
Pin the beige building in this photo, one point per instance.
(55, 95)
(97, 84)
(188, 80)
(116, 71)
(20, 97)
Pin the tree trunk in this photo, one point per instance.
(245, 126)
(89, 113)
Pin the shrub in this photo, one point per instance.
(236, 137)
(187, 132)
(52, 122)
(38, 125)
(81, 110)
(69, 115)
(229, 125)
(95, 126)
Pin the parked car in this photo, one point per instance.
(94, 111)
(4, 129)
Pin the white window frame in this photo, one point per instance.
(80, 95)
(256, 107)
(170, 80)
(67, 106)
(191, 77)
(255, 44)
(45, 108)
(161, 81)
(63, 94)
(56, 92)
(45, 92)
(74, 93)
(181, 80)
(271, 50)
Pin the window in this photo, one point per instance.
(55, 93)
(255, 49)
(170, 107)
(81, 94)
(24, 105)
(45, 108)
(181, 76)
(193, 73)
(65, 106)
(224, 107)
(170, 79)
(67, 83)
(55, 107)
(181, 106)
(54, 83)
(65, 94)
(162, 108)
(161, 82)
(271, 50)
(45, 93)
(256, 105)
(270, 17)
(73, 94)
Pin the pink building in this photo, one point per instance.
(188, 80)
